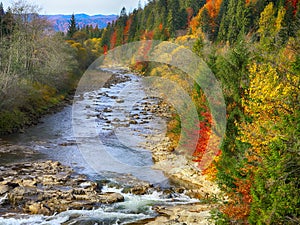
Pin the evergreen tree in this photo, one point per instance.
(1, 10)
(234, 22)
(223, 19)
(72, 27)
(289, 28)
(206, 22)
(174, 17)
(195, 5)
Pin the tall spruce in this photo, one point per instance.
(234, 21)
(173, 21)
(72, 27)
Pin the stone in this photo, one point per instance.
(49, 187)
(36, 208)
(133, 122)
(120, 101)
(107, 110)
(111, 197)
(3, 189)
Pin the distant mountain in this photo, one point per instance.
(61, 22)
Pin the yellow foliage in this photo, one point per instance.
(268, 97)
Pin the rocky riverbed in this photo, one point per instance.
(48, 187)
(30, 184)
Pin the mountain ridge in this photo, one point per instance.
(60, 22)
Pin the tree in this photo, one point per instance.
(206, 22)
(195, 5)
(270, 103)
(174, 20)
(72, 27)
(234, 21)
(30, 55)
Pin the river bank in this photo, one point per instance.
(185, 175)
(20, 118)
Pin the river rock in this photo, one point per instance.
(133, 122)
(111, 197)
(191, 214)
(3, 189)
(49, 187)
(137, 190)
(107, 110)
(120, 100)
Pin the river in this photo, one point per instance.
(120, 122)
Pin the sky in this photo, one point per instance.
(91, 7)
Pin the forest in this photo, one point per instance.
(252, 47)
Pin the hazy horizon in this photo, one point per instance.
(89, 7)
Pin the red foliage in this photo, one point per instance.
(204, 130)
(126, 29)
(190, 13)
(294, 4)
(105, 49)
(147, 35)
(113, 40)
(202, 133)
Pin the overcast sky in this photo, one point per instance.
(91, 7)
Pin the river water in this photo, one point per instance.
(121, 127)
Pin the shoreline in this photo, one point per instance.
(184, 175)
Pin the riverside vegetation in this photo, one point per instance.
(252, 47)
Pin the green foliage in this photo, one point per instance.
(276, 189)
(234, 22)
(11, 121)
(198, 47)
(219, 218)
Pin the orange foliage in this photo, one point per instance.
(239, 206)
(126, 29)
(207, 151)
(211, 170)
(213, 7)
(194, 24)
(160, 27)
(147, 35)
(113, 40)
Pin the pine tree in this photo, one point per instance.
(1, 10)
(174, 18)
(234, 22)
(218, 20)
(72, 27)
(195, 5)
(223, 21)
(206, 22)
